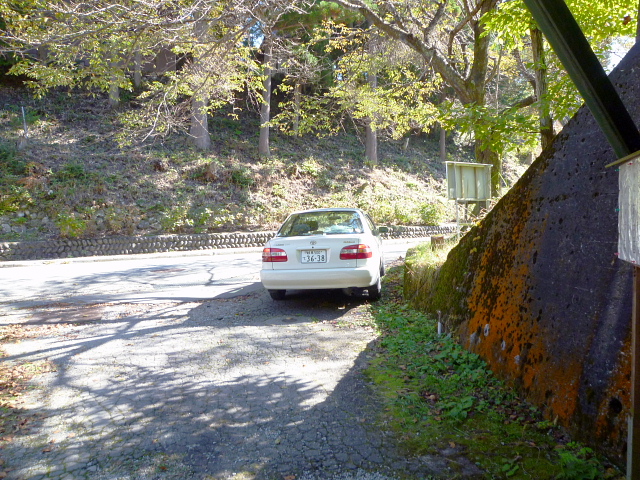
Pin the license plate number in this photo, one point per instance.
(314, 256)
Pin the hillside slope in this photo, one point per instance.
(73, 175)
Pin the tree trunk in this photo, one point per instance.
(265, 107)
(114, 93)
(199, 130)
(297, 92)
(487, 156)
(477, 91)
(137, 69)
(443, 144)
(43, 53)
(371, 145)
(546, 123)
(371, 139)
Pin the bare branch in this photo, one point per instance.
(428, 51)
(522, 68)
(525, 102)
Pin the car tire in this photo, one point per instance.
(277, 294)
(375, 290)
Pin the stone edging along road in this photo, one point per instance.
(122, 245)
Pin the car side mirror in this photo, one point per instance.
(383, 229)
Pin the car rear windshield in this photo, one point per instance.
(321, 223)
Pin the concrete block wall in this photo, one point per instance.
(123, 245)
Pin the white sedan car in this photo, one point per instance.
(323, 249)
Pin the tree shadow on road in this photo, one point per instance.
(208, 390)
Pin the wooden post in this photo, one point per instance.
(437, 242)
(633, 439)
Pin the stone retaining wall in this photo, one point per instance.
(68, 248)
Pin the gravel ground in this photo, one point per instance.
(243, 388)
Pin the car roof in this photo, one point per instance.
(336, 209)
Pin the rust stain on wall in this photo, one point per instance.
(613, 411)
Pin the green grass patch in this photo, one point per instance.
(443, 400)
(421, 271)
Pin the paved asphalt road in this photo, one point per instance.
(175, 276)
(183, 368)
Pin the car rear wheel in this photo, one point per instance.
(277, 294)
(375, 290)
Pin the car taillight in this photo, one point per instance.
(356, 252)
(274, 255)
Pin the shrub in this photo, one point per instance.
(176, 219)
(433, 213)
(200, 217)
(10, 164)
(311, 168)
(242, 177)
(71, 171)
(70, 224)
(278, 191)
(13, 197)
(118, 219)
(403, 214)
(579, 463)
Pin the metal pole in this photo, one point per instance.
(633, 438)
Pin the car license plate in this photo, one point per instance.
(314, 256)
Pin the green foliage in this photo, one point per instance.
(500, 131)
(108, 39)
(311, 168)
(510, 467)
(14, 197)
(278, 191)
(459, 408)
(242, 176)
(70, 224)
(316, 114)
(579, 463)
(602, 23)
(432, 213)
(401, 99)
(397, 207)
(201, 216)
(197, 218)
(176, 219)
(31, 116)
(71, 171)
(10, 163)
